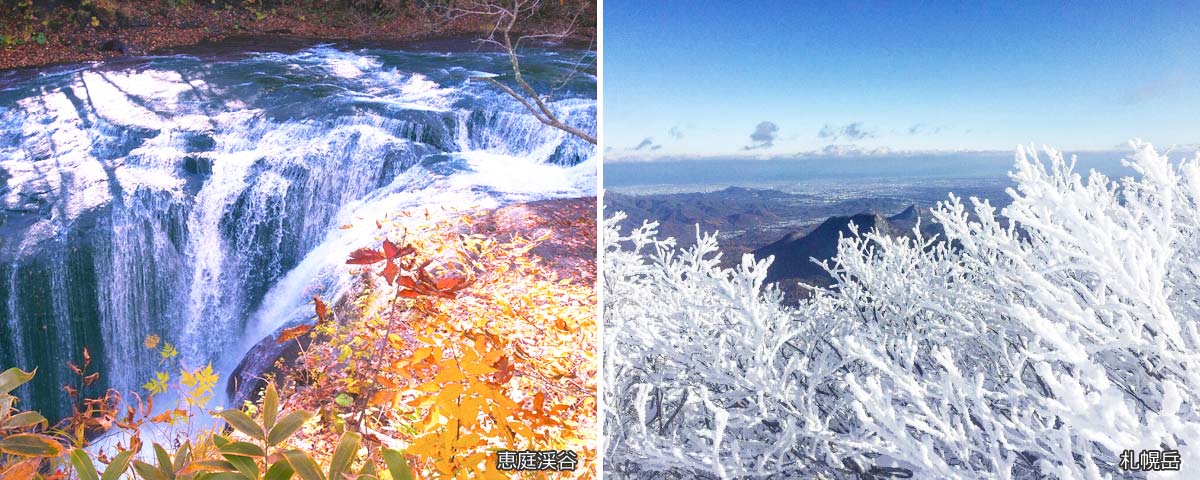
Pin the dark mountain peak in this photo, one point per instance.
(908, 215)
(865, 221)
(795, 251)
(737, 190)
(751, 193)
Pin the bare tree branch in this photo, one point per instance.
(504, 20)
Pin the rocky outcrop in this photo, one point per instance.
(268, 359)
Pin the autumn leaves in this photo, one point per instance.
(459, 345)
(454, 344)
(416, 284)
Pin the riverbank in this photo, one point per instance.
(98, 30)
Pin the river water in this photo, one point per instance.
(198, 195)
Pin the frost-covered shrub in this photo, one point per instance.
(1040, 346)
(706, 373)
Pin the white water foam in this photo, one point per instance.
(71, 151)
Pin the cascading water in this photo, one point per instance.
(198, 197)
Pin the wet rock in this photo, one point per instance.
(267, 359)
(117, 45)
(197, 165)
(200, 143)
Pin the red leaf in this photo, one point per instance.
(407, 282)
(391, 271)
(505, 370)
(390, 249)
(321, 308)
(365, 256)
(408, 293)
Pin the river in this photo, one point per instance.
(198, 195)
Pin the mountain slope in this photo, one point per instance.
(794, 253)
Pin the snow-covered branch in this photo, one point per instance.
(1039, 341)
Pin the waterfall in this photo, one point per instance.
(197, 197)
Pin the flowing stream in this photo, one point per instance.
(198, 196)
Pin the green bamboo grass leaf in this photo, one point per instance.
(243, 423)
(84, 468)
(286, 426)
(182, 456)
(243, 449)
(148, 471)
(221, 440)
(344, 454)
(226, 476)
(270, 407)
(397, 465)
(304, 465)
(24, 419)
(247, 466)
(118, 466)
(280, 470)
(13, 378)
(164, 461)
(368, 469)
(30, 445)
(208, 466)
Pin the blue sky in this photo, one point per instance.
(768, 78)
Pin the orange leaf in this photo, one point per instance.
(167, 416)
(382, 398)
(293, 333)
(477, 368)
(448, 283)
(538, 400)
(386, 382)
(421, 354)
(25, 469)
(321, 308)
(450, 375)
